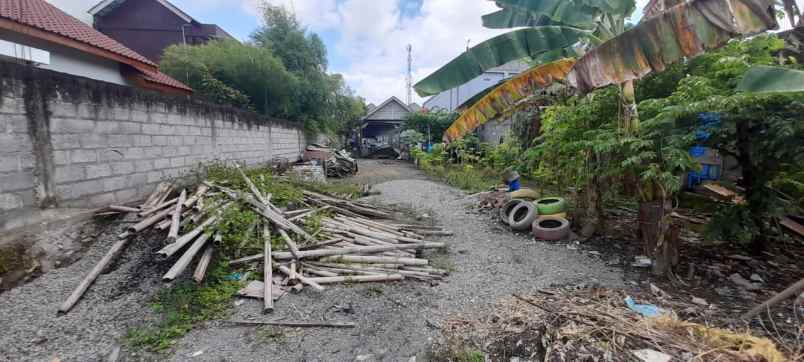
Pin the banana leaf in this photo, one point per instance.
(765, 79)
(518, 44)
(556, 8)
(684, 31)
(560, 13)
(515, 18)
(506, 96)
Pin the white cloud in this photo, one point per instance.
(373, 37)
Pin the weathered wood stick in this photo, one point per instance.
(297, 324)
(154, 197)
(427, 270)
(186, 258)
(296, 212)
(171, 249)
(161, 206)
(165, 195)
(374, 259)
(294, 249)
(203, 264)
(93, 274)
(350, 271)
(302, 279)
(371, 224)
(124, 235)
(435, 233)
(164, 224)
(268, 276)
(340, 210)
(107, 213)
(144, 224)
(355, 250)
(320, 272)
(251, 186)
(787, 293)
(123, 208)
(322, 244)
(202, 189)
(306, 214)
(176, 219)
(346, 266)
(246, 259)
(358, 278)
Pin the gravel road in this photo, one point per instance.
(395, 321)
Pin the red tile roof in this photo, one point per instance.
(164, 79)
(43, 16)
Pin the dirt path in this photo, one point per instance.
(395, 321)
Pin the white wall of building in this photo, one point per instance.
(71, 61)
(452, 98)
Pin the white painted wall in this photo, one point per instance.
(71, 61)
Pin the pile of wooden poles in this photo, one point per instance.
(351, 245)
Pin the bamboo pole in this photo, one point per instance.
(297, 324)
(154, 209)
(294, 249)
(93, 274)
(302, 279)
(176, 219)
(186, 258)
(144, 224)
(202, 189)
(374, 259)
(355, 250)
(359, 278)
(268, 276)
(171, 249)
(123, 208)
(203, 264)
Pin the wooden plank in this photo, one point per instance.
(791, 224)
(186, 258)
(203, 264)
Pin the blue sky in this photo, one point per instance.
(365, 39)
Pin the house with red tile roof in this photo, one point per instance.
(38, 33)
(150, 26)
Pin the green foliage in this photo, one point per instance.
(184, 305)
(411, 137)
(762, 131)
(433, 123)
(282, 74)
(239, 225)
(231, 73)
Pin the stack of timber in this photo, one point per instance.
(349, 244)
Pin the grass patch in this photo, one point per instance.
(184, 306)
(470, 355)
(443, 261)
(466, 177)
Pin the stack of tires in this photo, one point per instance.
(518, 214)
(551, 223)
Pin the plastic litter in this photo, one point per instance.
(646, 310)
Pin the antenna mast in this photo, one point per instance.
(410, 75)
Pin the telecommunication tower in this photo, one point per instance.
(409, 79)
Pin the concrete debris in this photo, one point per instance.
(700, 301)
(649, 355)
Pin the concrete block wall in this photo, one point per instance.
(102, 151)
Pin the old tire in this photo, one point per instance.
(551, 205)
(560, 214)
(525, 193)
(522, 216)
(505, 211)
(551, 228)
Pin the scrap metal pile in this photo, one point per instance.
(336, 163)
(314, 241)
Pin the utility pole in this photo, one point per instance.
(409, 79)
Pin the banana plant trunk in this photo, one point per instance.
(629, 122)
(593, 214)
(659, 236)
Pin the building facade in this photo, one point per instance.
(150, 26)
(35, 33)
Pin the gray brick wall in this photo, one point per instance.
(109, 153)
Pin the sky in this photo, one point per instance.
(365, 39)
